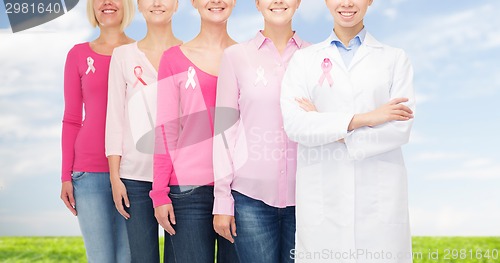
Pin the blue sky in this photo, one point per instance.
(452, 158)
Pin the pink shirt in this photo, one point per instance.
(252, 153)
(131, 112)
(186, 99)
(85, 88)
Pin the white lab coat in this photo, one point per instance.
(352, 203)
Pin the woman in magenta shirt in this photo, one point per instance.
(183, 200)
(86, 189)
(254, 161)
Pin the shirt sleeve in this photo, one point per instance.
(73, 108)
(115, 115)
(308, 128)
(227, 119)
(166, 126)
(369, 141)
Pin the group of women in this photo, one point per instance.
(239, 151)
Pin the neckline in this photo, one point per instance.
(194, 65)
(93, 51)
(136, 46)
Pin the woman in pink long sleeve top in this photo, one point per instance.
(254, 161)
(86, 188)
(183, 174)
(131, 107)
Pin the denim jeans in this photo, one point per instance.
(103, 228)
(142, 227)
(266, 234)
(195, 238)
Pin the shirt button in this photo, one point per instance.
(282, 172)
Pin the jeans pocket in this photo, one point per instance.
(77, 175)
(178, 192)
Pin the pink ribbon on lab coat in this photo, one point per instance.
(326, 66)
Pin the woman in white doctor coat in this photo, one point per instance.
(351, 179)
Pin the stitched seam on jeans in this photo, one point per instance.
(173, 250)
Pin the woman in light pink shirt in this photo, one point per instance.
(86, 189)
(254, 161)
(183, 174)
(129, 122)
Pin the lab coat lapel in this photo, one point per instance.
(364, 50)
(336, 57)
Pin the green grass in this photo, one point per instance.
(456, 249)
(425, 249)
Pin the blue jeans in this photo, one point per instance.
(142, 227)
(103, 228)
(195, 238)
(266, 234)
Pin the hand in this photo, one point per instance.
(306, 104)
(166, 218)
(120, 196)
(391, 111)
(225, 226)
(68, 197)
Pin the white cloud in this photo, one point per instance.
(244, 27)
(439, 156)
(28, 68)
(391, 13)
(30, 158)
(417, 137)
(489, 171)
(456, 220)
(312, 10)
(459, 165)
(48, 223)
(434, 38)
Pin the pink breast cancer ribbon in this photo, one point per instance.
(190, 81)
(326, 66)
(260, 76)
(138, 75)
(90, 63)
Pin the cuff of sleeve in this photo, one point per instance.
(354, 145)
(66, 177)
(110, 153)
(160, 197)
(224, 206)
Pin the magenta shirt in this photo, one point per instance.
(254, 157)
(185, 103)
(85, 90)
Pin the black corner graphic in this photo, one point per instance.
(25, 14)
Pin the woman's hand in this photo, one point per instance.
(394, 110)
(225, 226)
(166, 218)
(306, 104)
(68, 197)
(120, 197)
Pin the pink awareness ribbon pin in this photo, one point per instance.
(190, 81)
(90, 63)
(326, 66)
(138, 74)
(260, 76)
